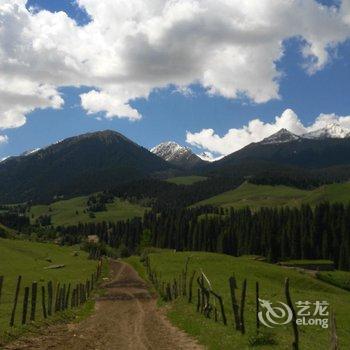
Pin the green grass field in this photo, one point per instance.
(219, 268)
(332, 193)
(28, 259)
(71, 211)
(186, 180)
(256, 196)
(340, 279)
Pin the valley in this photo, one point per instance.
(262, 213)
(174, 175)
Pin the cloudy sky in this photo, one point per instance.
(212, 74)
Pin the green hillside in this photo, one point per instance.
(186, 180)
(73, 211)
(29, 260)
(332, 193)
(218, 268)
(256, 196)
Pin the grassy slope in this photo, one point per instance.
(219, 268)
(331, 193)
(338, 278)
(28, 259)
(64, 212)
(257, 196)
(260, 195)
(186, 180)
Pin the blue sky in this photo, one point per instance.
(168, 114)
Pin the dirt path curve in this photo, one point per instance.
(126, 317)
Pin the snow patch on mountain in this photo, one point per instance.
(280, 136)
(3, 159)
(209, 157)
(334, 131)
(171, 151)
(29, 152)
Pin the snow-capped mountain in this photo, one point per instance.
(174, 153)
(3, 159)
(29, 152)
(334, 131)
(280, 136)
(208, 157)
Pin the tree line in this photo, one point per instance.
(322, 232)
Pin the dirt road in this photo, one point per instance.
(126, 317)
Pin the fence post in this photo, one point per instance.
(334, 337)
(72, 299)
(49, 298)
(294, 324)
(219, 297)
(190, 287)
(43, 299)
(244, 290)
(198, 299)
(25, 305)
(33, 301)
(57, 295)
(257, 305)
(66, 304)
(175, 288)
(92, 281)
(168, 292)
(77, 295)
(1, 284)
(88, 288)
(63, 297)
(235, 307)
(12, 321)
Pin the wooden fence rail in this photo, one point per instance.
(53, 300)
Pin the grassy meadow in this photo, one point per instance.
(73, 211)
(256, 196)
(219, 268)
(29, 260)
(340, 279)
(186, 180)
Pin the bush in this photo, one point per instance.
(262, 338)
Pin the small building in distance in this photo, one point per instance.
(93, 239)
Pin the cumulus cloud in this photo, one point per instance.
(256, 130)
(94, 102)
(131, 47)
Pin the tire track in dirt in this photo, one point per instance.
(126, 318)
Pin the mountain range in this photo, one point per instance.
(101, 160)
(319, 149)
(77, 165)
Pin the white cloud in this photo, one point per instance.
(95, 102)
(132, 47)
(256, 130)
(3, 139)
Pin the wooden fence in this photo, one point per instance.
(53, 299)
(211, 305)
